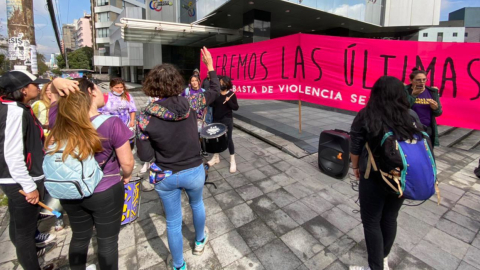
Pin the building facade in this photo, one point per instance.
(84, 32)
(181, 27)
(69, 36)
(463, 25)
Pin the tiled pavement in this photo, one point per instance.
(280, 212)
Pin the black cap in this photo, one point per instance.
(18, 79)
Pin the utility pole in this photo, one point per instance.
(22, 51)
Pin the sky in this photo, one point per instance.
(74, 9)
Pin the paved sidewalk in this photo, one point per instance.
(279, 212)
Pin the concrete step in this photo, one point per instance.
(442, 130)
(454, 136)
(470, 142)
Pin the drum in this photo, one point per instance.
(214, 138)
(131, 205)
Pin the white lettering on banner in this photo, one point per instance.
(245, 89)
(358, 99)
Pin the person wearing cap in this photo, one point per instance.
(196, 72)
(21, 156)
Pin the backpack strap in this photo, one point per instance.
(99, 120)
(371, 164)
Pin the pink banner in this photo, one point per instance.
(339, 71)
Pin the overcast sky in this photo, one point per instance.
(74, 9)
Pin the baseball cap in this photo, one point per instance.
(18, 79)
(196, 70)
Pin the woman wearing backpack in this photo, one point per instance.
(103, 209)
(425, 101)
(21, 156)
(120, 103)
(169, 138)
(386, 110)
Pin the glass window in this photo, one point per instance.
(455, 34)
(102, 2)
(425, 34)
(103, 17)
(440, 34)
(466, 34)
(103, 32)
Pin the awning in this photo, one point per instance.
(177, 34)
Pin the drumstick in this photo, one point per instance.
(229, 98)
(56, 213)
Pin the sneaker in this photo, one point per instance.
(359, 268)
(205, 154)
(59, 224)
(43, 239)
(49, 266)
(43, 217)
(385, 264)
(91, 267)
(200, 246)
(42, 251)
(145, 167)
(170, 265)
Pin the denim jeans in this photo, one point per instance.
(170, 191)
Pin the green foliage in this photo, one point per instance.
(3, 200)
(57, 71)
(42, 67)
(78, 59)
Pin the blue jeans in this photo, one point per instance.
(170, 191)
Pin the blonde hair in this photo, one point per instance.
(43, 96)
(73, 127)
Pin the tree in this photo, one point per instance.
(57, 71)
(78, 59)
(42, 67)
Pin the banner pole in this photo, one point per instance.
(300, 116)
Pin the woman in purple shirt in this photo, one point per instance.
(120, 103)
(102, 210)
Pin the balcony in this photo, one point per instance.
(106, 24)
(108, 9)
(101, 40)
(107, 61)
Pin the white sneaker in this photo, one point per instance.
(215, 159)
(91, 267)
(359, 268)
(385, 264)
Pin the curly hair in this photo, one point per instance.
(163, 81)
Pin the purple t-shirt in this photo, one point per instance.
(116, 134)
(422, 108)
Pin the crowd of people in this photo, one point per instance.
(64, 118)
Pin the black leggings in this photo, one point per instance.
(104, 211)
(379, 209)
(229, 123)
(23, 224)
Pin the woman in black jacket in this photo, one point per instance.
(169, 138)
(387, 109)
(223, 108)
(21, 158)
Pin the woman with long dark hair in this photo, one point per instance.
(102, 210)
(169, 139)
(425, 101)
(386, 110)
(223, 108)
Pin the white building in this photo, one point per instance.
(442, 34)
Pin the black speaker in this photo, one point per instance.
(334, 153)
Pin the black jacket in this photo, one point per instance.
(21, 145)
(168, 133)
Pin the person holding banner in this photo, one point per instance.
(425, 103)
(168, 136)
(379, 204)
(223, 108)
